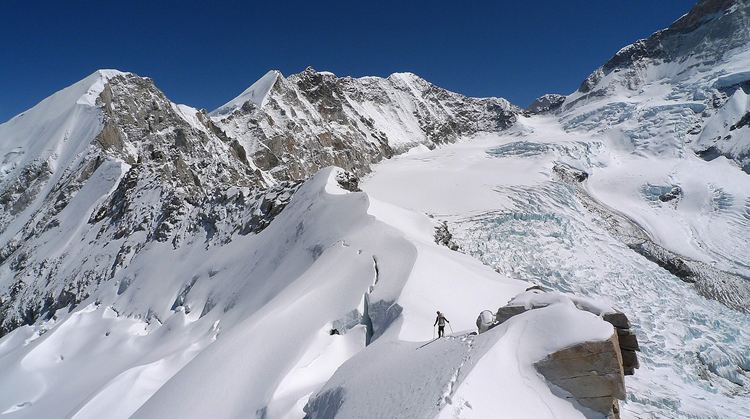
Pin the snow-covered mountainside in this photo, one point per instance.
(682, 90)
(114, 150)
(162, 261)
(291, 127)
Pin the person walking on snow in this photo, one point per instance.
(440, 322)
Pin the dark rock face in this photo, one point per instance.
(348, 181)
(707, 22)
(699, 49)
(444, 237)
(627, 341)
(506, 312)
(674, 193)
(546, 103)
(569, 173)
(743, 122)
(180, 177)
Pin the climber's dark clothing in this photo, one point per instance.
(440, 321)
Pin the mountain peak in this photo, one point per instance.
(256, 94)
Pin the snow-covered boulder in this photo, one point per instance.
(533, 298)
(485, 321)
(590, 372)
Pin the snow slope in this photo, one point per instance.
(507, 206)
(255, 94)
(40, 144)
(464, 375)
(314, 267)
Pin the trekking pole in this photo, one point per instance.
(449, 325)
(433, 331)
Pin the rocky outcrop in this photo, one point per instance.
(485, 321)
(695, 59)
(444, 237)
(627, 341)
(593, 372)
(546, 103)
(709, 21)
(590, 373)
(349, 181)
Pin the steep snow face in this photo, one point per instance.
(255, 94)
(114, 164)
(728, 130)
(509, 203)
(39, 144)
(659, 95)
(310, 120)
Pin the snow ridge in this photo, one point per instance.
(255, 94)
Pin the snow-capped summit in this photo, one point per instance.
(42, 129)
(255, 94)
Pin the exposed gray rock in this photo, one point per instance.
(589, 372)
(348, 181)
(592, 373)
(622, 328)
(707, 38)
(444, 237)
(193, 178)
(569, 173)
(627, 341)
(546, 103)
(673, 193)
(618, 319)
(506, 312)
(177, 189)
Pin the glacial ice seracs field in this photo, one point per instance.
(284, 255)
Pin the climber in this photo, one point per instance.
(440, 322)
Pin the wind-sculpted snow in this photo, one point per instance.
(464, 375)
(222, 318)
(136, 232)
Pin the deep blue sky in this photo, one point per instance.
(205, 53)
